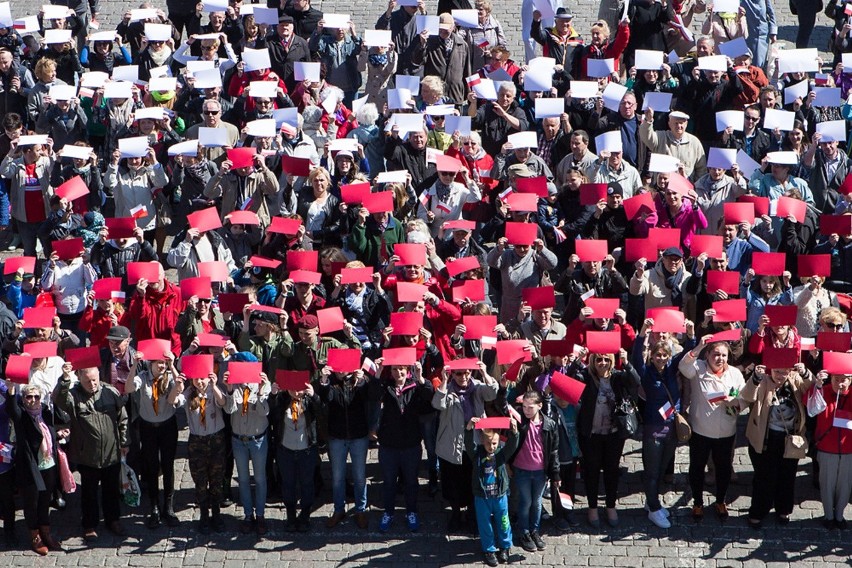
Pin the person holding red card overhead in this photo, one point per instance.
(193, 246)
(155, 308)
(458, 400)
(714, 404)
(320, 209)
(664, 284)
(712, 274)
(597, 275)
(834, 447)
(112, 255)
(199, 317)
(367, 308)
(68, 281)
(90, 175)
(776, 419)
(134, 186)
(158, 430)
(740, 242)
(765, 291)
(520, 267)
(798, 236)
(678, 210)
(445, 199)
(244, 186)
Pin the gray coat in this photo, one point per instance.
(451, 423)
(452, 68)
(518, 273)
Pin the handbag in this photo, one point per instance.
(816, 402)
(795, 447)
(626, 418)
(164, 209)
(130, 491)
(682, 428)
(65, 475)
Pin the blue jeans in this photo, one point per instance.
(356, 449)
(491, 511)
(658, 448)
(254, 450)
(529, 486)
(297, 466)
(392, 461)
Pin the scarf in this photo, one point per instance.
(378, 59)
(442, 191)
(91, 232)
(295, 410)
(162, 96)
(246, 394)
(160, 57)
(465, 397)
(399, 394)
(46, 447)
(673, 284)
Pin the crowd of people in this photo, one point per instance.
(401, 236)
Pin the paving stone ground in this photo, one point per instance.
(636, 543)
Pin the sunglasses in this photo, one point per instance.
(157, 42)
(205, 300)
(209, 48)
(32, 397)
(211, 112)
(834, 325)
(752, 118)
(467, 143)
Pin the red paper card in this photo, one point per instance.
(740, 212)
(215, 270)
(243, 218)
(303, 260)
(296, 166)
(727, 281)
(270, 309)
(410, 292)
(406, 323)
(835, 224)
(154, 349)
(356, 275)
(680, 184)
(710, 244)
(781, 315)
(780, 357)
(769, 263)
(459, 224)
(244, 372)
(292, 380)
(603, 341)
(205, 219)
(473, 290)
(120, 227)
(464, 264)
(73, 189)
(511, 350)
(846, 187)
(664, 238)
(83, 358)
(837, 363)
(196, 366)
(241, 157)
(463, 364)
(305, 277)
(592, 193)
(591, 250)
(410, 254)
(814, 264)
(788, 206)
(344, 360)
(477, 327)
(268, 262)
(39, 318)
(494, 423)
(14, 263)
(539, 298)
(444, 163)
(381, 202)
(354, 193)
(41, 349)
(330, 320)
(136, 271)
(557, 347)
(211, 340)
(536, 185)
(400, 356)
(834, 341)
(284, 226)
(728, 335)
(521, 233)
(761, 204)
(68, 249)
(635, 249)
(232, 303)
(671, 321)
(522, 202)
(566, 388)
(200, 287)
(104, 287)
(641, 203)
(18, 368)
(602, 308)
(729, 310)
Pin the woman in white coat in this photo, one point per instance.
(134, 185)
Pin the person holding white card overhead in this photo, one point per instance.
(156, 53)
(45, 75)
(339, 48)
(754, 141)
(560, 42)
(495, 120)
(101, 56)
(675, 141)
(447, 56)
(135, 183)
(710, 91)
(601, 47)
(64, 121)
(380, 64)
(648, 22)
(285, 48)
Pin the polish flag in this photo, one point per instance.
(473, 80)
(560, 236)
(483, 43)
(847, 9)
(139, 211)
(506, 193)
(444, 208)
(369, 366)
(716, 397)
(667, 410)
(488, 342)
(808, 343)
(424, 200)
(566, 501)
(821, 79)
(842, 418)
(117, 295)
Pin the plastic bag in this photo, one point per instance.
(130, 491)
(66, 478)
(816, 402)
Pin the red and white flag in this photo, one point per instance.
(716, 397)
(424, 200)
(483, 43)
(667, 410)
(488, 342)
(560, 236)
(473, 80)
(369, 366)
(842, 418)
(139, 211)
(566, 501)
(505, 193)
(847, 9)
(443, 207)
(117, 295)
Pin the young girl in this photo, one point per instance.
(158, 432)
(766, 291)
(203, 402)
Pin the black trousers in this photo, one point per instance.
(456, 486)
(108, 480)
(159, 447)
(601, 453)
(700, 449)
(7, 499)
(774, 478)
(37, 503)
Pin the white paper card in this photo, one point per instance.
(584, 89)
(733, 48)
(781, 119)
(429, 23)
(118, 90)
(798, 60)
(162, 84)
(213, 137)
(55, 12)
(62, 92)
(726, 6)
(722, 158)
(408, 122)
(498, 75)
(152, 113)
(544, 62)
(486, 89)
(713, 63)
(439, 110)
(396, 176)
(657, 102)
(358, 104)
(102, 36)
(306, 71)
(460, 123)
(612, 96)
(600, 67)
(847, 62)
(139, 14)
(26, 25)
(193, 67)
(348, 144)
(732, 118)
(161, 71)
(832, 130)
(263, 128)
(287, 116)
(545, 108)
(647, 59)
(214, 5)
(158, 32)
(125, 73)
(263, 89)
(609, 142)
(526, 139)
(539, 78)
(93, 79)
(827, 97)
(256, 59)
(336, 21)
(135, 147)
(746, 164)
(797, 91)
(208, 79)
(410, 82)
(663, 163)
(78, 152)
(466, 18)
(329, 103)
(264, 15)
(398, 99)
(57, 36)
(377, 38)
(31, 139)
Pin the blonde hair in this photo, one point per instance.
(44, 65)
(316, 172)
(434, 83)
(603, 27)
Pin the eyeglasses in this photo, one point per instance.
(156, 42)
(32, 397)
(205, 300)
(834, 325)
(211, 112)
(467, 143)
(628, 103)
(264, 103)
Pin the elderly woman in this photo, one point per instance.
(714, 404)
(209, 52)
(487, 34)
(678, 210)
(38, 98)
(446, 198)
(320, 209)
(520, 267)
(663, 285)
(777, 414)
(155, 54)
(834, 449)
(811, 298)
(36, 462)
(458, 400)
(134, 185)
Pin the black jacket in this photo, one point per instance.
(798, 239)
(625, 384)
(607, 284)
(495, 129)
(825, 190)
(399, 424)
(401, 156)
(283, 60)
(377, 309)
(278, 415)
(346, 405)
(330, 232)
(304, 23)
(549, 445)
(28, 438)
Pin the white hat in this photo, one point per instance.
(678, 114)
(783, 158)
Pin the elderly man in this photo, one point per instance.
(580, 157)
(613, 168)
(536, 326)
(285, 49)
(98, 424)
(447, 56)
(495, 120)
(554, 140)
(827, 168)
(410, 155)
(15, 84)
(595, 275)
(675, 141)
(625, 121)
(211, 117)
(510, 156)
(249, 187)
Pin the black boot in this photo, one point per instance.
(204, 520)
(433, 482)
(169, 510)
(291, 519)
(216, 520)
(153, 520)
(303, 522)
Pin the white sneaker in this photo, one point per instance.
(659, 518)
(663, 509)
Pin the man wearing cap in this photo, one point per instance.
(613, 169)
(827, 168)
(447, 56)
(675, 141)
(561, 42)
(285, 48)
(662, 285)
(753, 79)
(460, 245)
(310, 352)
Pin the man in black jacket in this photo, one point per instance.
(411, 155)
(827, 167)
(305, 17)
(15, 82)
(626, 121)
(285, 48)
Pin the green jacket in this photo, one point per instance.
(501, 455)
(302, 357)
(98, 423)
(270, 353)
(366, 241)
(189, 325)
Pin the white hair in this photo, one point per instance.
(367, 114)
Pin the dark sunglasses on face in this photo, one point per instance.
(211, 112)
(32, 397)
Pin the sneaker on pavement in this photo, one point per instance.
(659, 518)
(385, 523)
(527, 542)
(503, 555)
(413, 522)
(663, 509)
(491, 559)
(536, 538)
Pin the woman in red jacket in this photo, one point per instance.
(602, 48)
(834, 449)
(97, 320)
(776, 336)
(154, 310)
